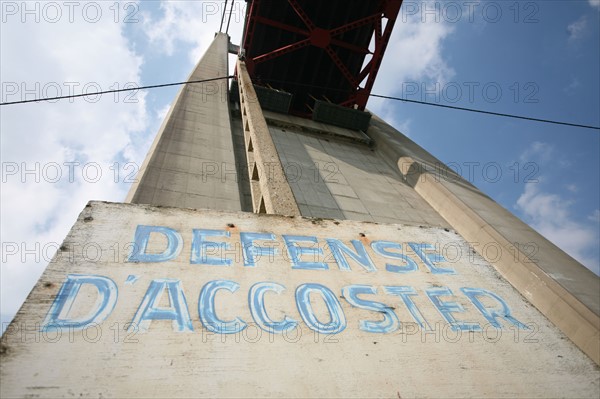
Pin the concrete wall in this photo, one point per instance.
(334, 173)
(191, 163)
(147, 320)
(558, 285)
(387, 300)
(385, 177)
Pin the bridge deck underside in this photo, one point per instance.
(327, 50)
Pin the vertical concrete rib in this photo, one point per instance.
(557, 285)
(191, 163)
(271, 192)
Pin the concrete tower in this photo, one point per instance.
(283, 241)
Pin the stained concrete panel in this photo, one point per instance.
(192, 161)
(336, 174)
(123, 313)
(553, 261)
(559, 286)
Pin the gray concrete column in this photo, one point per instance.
(560, 287)
(191, 163)
(271, 192)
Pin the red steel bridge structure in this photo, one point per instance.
(328, 50)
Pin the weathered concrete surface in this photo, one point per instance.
(345, 180)
(271, 192)
(334, 173)
(559, 286)
(106, 360)
(296, 123)
(191, 163)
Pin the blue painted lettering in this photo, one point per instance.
(201, 249)
(430, 260)
(149, 310)
(140, 245)
(58, 315)
(390, 322)
(405, 292)
(381, 248)
(337, 321)
(492, 314)
(207, 312)
(256, 300)
(447, 308)
(132, 279)
(251, 251)
(361, 256)
(296, 252)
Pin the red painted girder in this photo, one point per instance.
(253, 13)
(365, 72)
(392, 10)
(281, 51)
(309, 23)
(342, 67)
(303, 16)
(293, 29)
(378, 28)
(355, 24)
(280, 25)
(369, 67)
(351, 47)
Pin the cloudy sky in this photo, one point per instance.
(538, 59)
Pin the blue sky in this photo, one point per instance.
(538, 59)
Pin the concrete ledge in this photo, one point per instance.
(273, 193)
(574, 318)
(317, 128)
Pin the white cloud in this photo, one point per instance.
(413, 57)
(538, 152)
(577, 29)
(111, 130)
(43, 58)
(404, 127)
(595, 216)
(415, 54)
(191, 23)
(550, 215)
(572, 86)
(161, 113)
(594, 3)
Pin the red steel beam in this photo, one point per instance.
(281, 51)
(251, 23)
(303, 16)
(342, 67)
(356, 24)
(282, 26)
(392, 8)
(325, 39)
(351, 47)
(365, 72)
(350, 101)
(378, 28)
